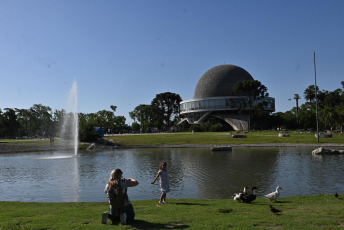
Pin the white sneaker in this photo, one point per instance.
(104, 218)
(123, 218)
(161, 202)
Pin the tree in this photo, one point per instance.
(333, 99)
(261, 119)
(253, 90)
(332, 107)
(143, 114)
(329, 117)
(41, 118)
(309, 93)
(105, 119)
(165, 109)
(24, 117)
(57, 121)
(2, 125)
(87, 131)
(113, 107)
(135, 126)
(119, 124)
(278, 120)
(11, 124)
(307, 116)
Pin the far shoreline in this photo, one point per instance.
(16, 148)
(254, 139)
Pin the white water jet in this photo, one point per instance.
(70, 124)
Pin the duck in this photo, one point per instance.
(237, 197)
(274, 195)
(248, 198)
(245, 190)
(336, 195)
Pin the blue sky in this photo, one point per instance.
(123, 53)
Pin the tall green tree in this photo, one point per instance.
(11, 123)
(165, 108)
(57, 121)
(105, 119)
(143, 114)
(24, 117)
(309, 93)
(87, 131)
(333, 98)
(2, 125)
(253, 90)
(119, 124)
(43, 119)
(329, 117)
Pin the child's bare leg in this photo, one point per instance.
(163, 195)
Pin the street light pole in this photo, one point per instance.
(297, 97)
(316, 99)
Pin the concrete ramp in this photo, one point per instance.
(237, 121)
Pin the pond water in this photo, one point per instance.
(193, 172)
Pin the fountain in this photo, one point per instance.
(70, 125)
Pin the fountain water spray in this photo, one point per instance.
(70, 124)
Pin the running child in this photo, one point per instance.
(164, 182)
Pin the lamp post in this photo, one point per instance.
(297, 97)
(316, 99)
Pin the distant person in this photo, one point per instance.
(121, 208)
(164, 182)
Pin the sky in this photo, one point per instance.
(124, 53)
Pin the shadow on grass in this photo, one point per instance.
(226, 210)
(285, 201)
(141, 224)
(184, 203)
(265, 203)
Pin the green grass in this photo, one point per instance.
(183, 138)
(300, 212)
(34, 145)
(222, 138)
(25, 141)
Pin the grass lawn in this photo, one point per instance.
(182, 138)
(223, 138)
(300, 212)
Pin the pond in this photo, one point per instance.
(194, 173)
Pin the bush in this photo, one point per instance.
(88, 134)
(196, 128)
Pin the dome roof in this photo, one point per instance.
(219, 81)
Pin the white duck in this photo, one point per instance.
(274, 195)
(245, 190)
(237, 197)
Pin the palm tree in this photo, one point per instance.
(309, 93)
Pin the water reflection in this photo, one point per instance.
(194, 173)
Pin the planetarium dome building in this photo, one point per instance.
(214, 96)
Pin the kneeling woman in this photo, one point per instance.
(124, 212)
